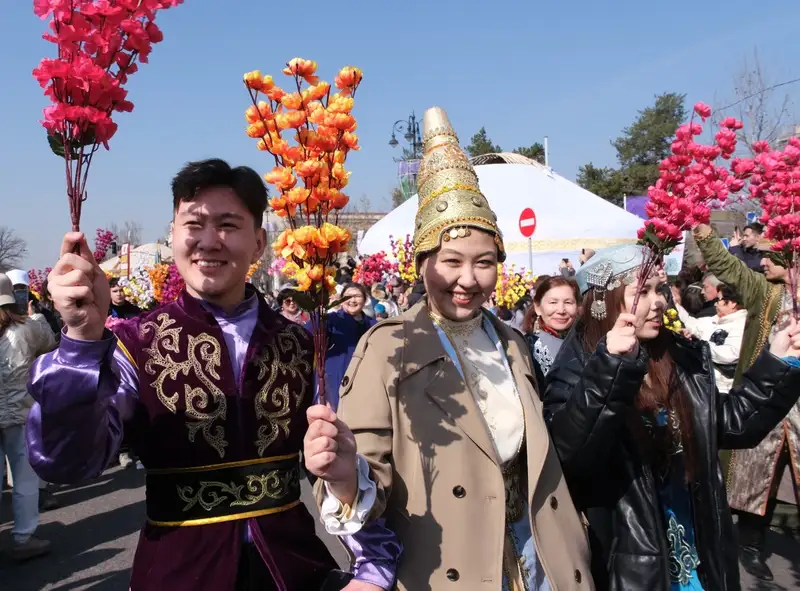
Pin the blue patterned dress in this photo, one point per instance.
(676, 503)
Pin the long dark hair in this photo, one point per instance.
(9, 316)
(661, 389)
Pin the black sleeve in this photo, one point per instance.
(768, 391)
(586, 401)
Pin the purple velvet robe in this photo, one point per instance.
(190, 409)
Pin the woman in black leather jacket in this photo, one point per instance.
(638, 423)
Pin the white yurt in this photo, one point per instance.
(568, 217)
(145, 255)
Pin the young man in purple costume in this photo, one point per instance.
(211, 392)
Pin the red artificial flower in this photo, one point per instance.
(703, 110)
(98, 44)
(726, 139)
(102, 242)
(775, 182)
(742, 167)
(760, 146)
(731, 123)
(374, 269)
(690, 183)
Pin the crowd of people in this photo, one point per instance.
(576, 441)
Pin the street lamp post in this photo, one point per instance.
(409, 163)
(409, 129)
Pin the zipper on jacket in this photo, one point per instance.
(708, 369)
(701, 537)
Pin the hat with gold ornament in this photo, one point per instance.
(450, 201)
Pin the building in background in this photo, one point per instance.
(358, 222)
(793, 131)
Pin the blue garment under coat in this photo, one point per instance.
(344, 332)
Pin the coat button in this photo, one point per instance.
(554, 503)
(452, 574)
(459, 492)
(578, 576)
(345, 381)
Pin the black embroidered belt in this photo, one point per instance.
(222, 492)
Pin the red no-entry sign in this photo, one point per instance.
(527, 222)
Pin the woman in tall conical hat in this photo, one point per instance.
(453, 454)
(638, 423)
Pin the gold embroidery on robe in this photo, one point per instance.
(275, 484)
(203, 356)
(515, 497)
(270, 366)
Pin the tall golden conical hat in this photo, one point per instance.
(450, 201)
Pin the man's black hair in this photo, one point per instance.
(755, 227)
(205, 174)
(692, 298)
(113, 282)
(728, 293)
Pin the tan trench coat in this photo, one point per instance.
(439, 483)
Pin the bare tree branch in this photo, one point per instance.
(762, 113)
(12, 249)
(130, 232)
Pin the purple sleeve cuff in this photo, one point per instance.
(376, 551)
(84, 391)
(85, 353)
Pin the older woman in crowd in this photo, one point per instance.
(723, 332)
(548, 320)
(289, 308)
(345, 327)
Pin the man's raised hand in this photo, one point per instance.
(79, 289)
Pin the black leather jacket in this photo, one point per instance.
(585, 405)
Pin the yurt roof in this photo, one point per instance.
(569, 217)
(504, 158)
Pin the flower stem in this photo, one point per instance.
(651, 258)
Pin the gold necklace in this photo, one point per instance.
(453, 328)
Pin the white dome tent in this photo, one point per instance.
(568, 217)
(145, 255)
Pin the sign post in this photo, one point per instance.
(527, 226)
(125, 261)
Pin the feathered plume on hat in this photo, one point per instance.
(450, 201)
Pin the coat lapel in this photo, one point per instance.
(449, 392)
(445, 387)
(536, 435)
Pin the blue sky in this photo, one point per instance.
(576, 71)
